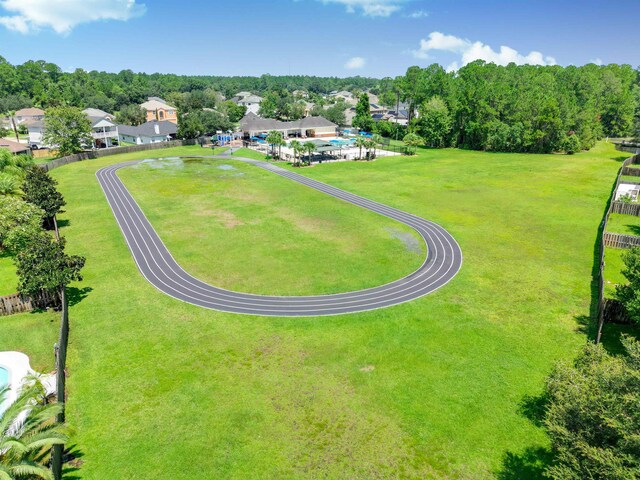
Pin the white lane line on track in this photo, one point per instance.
(376, 290)
(244, 296)
(118, 196)
(150, 266)
(194, 279)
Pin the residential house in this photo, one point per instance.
(28, 115)
(349, 115)
(345, 96)
(14, 147)
(373, 98)
(158, 109)
(36, 129)
(104, 131)
(401, 117)
(249, 100)
(150, 132)
(376, 109)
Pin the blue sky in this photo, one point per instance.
(316, 37)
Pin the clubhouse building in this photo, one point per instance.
(253, 126)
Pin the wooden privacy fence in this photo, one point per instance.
(603, 226)
(93, 154)
(630, 171)
(626, 208)
(16, 303)
(618, 240)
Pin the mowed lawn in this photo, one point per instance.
(624, 224)
(243, 228)
(8, 277)
(437, 388)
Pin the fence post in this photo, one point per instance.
(61, 363)
(636, 172)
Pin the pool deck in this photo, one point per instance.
(18, 366)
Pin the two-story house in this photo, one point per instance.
(248, 100)
(159, 110)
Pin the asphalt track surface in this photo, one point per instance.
(443, 261)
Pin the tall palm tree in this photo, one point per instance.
(361, 141)
(28, 431)
(309, 147)
(370, 145)
(297, 148)
(377, 139)
(274, 138)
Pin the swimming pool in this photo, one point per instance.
(4, 381)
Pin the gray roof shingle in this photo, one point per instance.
(148, 129)
(251, 123)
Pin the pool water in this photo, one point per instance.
(4, 381)
(4, 377)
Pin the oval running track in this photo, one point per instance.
(443, 261)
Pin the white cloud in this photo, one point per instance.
(470, 51)
(418, 14)
(597, 61)
(371, 8)
(63, 15)
(355, 63)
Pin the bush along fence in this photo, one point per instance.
(610, 310)
(93, 154)
(16, 303)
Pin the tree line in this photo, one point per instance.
(44, 84)
(517, 108)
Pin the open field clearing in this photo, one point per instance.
(442, 387)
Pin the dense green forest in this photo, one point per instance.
(44, 84)
(514, 108)
(518, 108)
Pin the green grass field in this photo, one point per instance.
(437, 388)
(613, 270)
(236, 226)
(8, 278)
(624, 224)
(630, 179)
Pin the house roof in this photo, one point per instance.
(400, 114)
(14, 147)
(155, 103)
(250, 99)
(148, 129)
(100, 122)
(251, 123)
(30, 121)
(313, 122)
(96, 112)
(29, 112)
